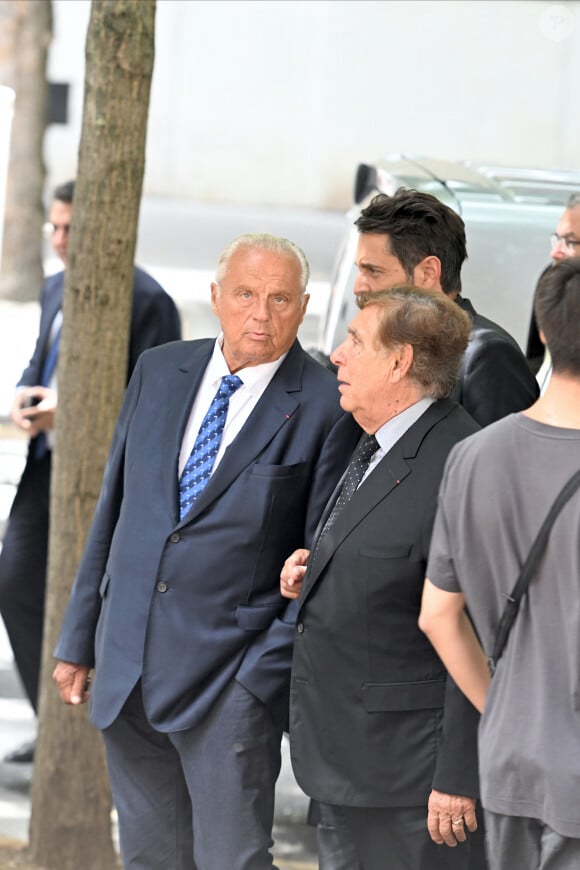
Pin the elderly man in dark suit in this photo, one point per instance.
(375, 727)
(154, 320)
(176, 602)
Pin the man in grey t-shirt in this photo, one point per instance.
(497, 488)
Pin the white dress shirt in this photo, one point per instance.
(395, 428)
(254, 379)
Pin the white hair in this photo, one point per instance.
(264, 242)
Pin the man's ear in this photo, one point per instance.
(215, 291)
(427, 274)
(402, 362)
(542, 337)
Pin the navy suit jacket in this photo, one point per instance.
(154, 320)
(186, 606)
(374, 722)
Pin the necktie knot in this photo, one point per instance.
(367, 447)
(228, 386)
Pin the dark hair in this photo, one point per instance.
(557, 308)
(436, 328)
(419, 225)
(64, 192)
(573, 200)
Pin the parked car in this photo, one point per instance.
(509, 215)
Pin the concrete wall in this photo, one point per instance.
(276, 101)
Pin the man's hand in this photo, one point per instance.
(293, 573)
(73, 682)
(448, 817)
(36, 418)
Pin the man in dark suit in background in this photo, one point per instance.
(23, 560)
(375, 727)
(414, 237)
(177, 601)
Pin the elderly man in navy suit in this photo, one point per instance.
(224, 455)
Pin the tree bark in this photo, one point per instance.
(70, 824)
(25, 34)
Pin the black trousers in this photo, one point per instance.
(338, 850)
(23, 564)
(397, 839)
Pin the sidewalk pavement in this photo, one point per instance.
(17, 724)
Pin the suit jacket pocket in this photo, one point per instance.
(264, 470)
(256, 618)
(394, 697)
(402, 551)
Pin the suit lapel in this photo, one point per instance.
(274, 410)
(390, 473)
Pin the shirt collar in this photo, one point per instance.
(395, 428)
(252, 377)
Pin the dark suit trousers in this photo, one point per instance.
(397, 839)
(337, 850)
(199, 798)
(23, 571)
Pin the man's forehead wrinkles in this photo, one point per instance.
(261, 278)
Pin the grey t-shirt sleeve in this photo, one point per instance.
(440, 565)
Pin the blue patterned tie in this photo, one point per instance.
(198, 467)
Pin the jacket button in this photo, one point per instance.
(175, 538)
(300, 628)
(162, 586)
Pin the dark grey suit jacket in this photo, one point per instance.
(373, 720)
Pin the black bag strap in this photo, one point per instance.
(513, 601)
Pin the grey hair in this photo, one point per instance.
(573, 200)
(264, 242)
(436, 328)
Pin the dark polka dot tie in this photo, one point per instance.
(201, 460)
(357, 466)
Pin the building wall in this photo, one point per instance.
(277, 101)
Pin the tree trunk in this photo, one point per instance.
(25, 34)
(70, 825)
